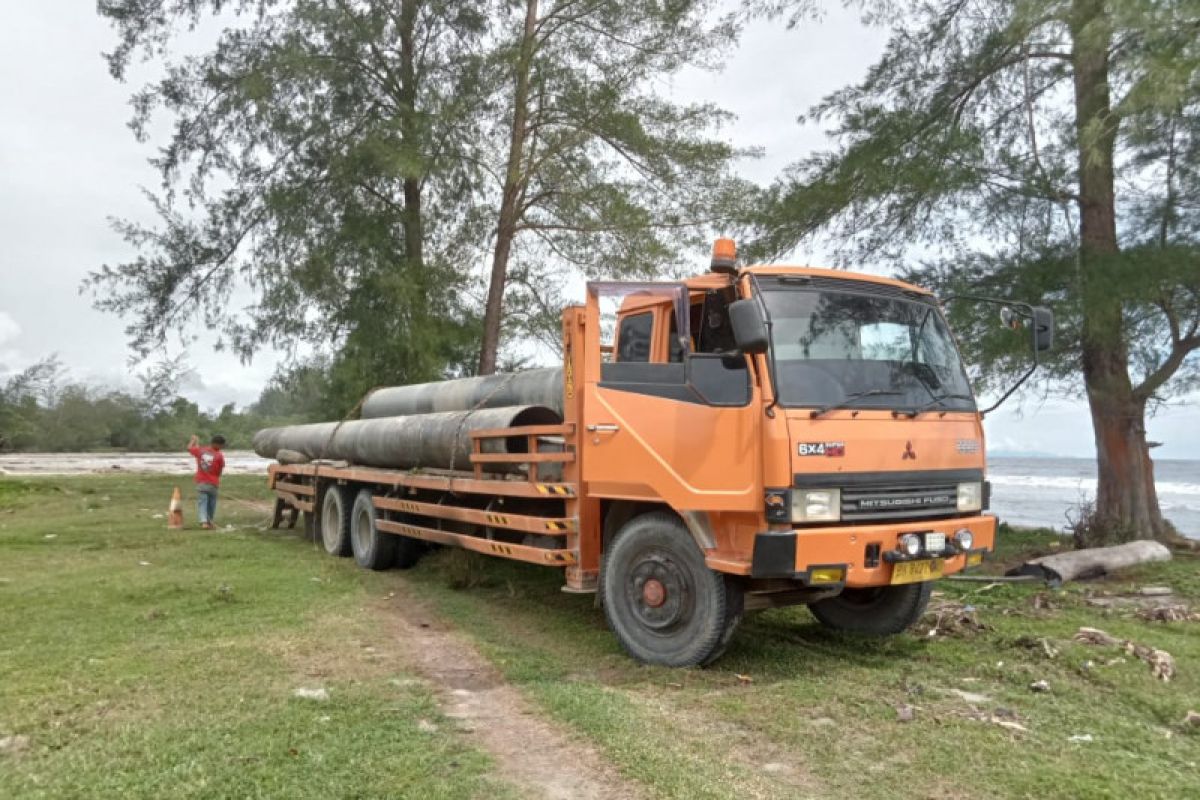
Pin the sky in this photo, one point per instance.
(69, 163)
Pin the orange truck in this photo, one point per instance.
(749, 438)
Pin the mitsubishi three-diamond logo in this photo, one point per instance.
(908, 452)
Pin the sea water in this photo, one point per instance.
(1048, 491)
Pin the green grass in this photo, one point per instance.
(826, 703)
(141, 662)
(176, 678)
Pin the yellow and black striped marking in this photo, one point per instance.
(497, 519)
(553, 525)
(556, 489)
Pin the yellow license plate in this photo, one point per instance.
(917, 571)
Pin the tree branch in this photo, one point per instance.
(1180, 350)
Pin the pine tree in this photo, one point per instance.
(599, 174)
(320, 183)
(1032, 150)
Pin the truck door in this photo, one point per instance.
(662, 422)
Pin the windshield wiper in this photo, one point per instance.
(935, 402)
(850, 398)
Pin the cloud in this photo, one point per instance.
(9, 329)
(10, 357)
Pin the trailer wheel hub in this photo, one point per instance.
(654, 594)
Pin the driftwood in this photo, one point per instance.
(1162, 665)
(1077, 564)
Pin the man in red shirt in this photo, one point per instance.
(210, 462)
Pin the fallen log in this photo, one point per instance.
(1093, 562)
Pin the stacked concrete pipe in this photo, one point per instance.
(533, 387)
(427, 425)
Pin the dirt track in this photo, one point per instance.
(528, 750)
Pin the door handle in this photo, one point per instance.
(603, 427)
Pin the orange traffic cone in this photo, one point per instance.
(175, 512)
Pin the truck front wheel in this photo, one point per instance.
(874, 611)
(662, 601)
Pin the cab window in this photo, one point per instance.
(633, 337)
(883, 341)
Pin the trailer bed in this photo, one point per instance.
(513, 516)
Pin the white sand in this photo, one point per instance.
(237, 462)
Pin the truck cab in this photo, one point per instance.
(811, 433)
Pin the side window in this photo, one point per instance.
(633, 337)
(721, 380)
(715, 332)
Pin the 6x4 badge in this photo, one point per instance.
(827, 449)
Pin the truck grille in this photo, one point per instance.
(898, 501)
(884, 496)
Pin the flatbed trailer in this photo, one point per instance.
(472, 510)
(689, 482)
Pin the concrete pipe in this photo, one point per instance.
(534, 387)
(440, 440)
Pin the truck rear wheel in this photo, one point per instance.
(407, 550)
(874, 611)
(663, 603)
(335, 521)
(372, 548)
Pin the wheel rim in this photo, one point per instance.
(658, 590)
(330, 522)
(361, 529)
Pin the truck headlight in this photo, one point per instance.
(970, 496)
(816, 505)
(964, 539)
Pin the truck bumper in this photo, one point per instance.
(812, 556)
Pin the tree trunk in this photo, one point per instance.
(1126, 501)
(510, 202)
(411, 221)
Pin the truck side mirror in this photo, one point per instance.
(1043, 328)
(749, 328)
(1015, 316)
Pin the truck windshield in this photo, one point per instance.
(862, 349)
